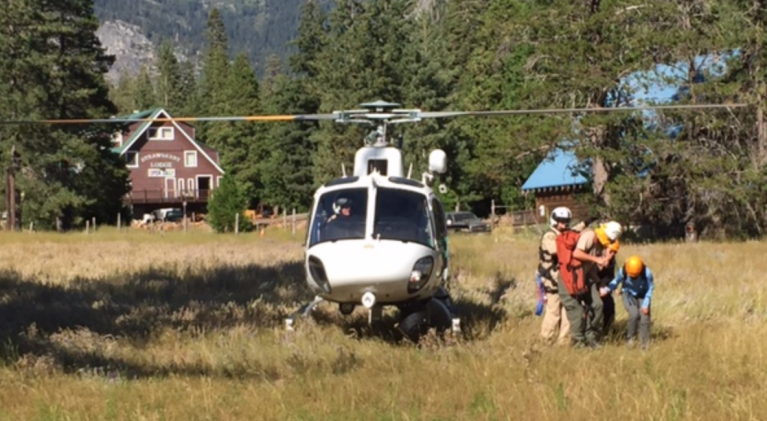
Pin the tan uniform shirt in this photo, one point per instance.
(589, 243)
(549, 244)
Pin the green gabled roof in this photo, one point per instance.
(151, 113)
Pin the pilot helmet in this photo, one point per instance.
(342, 201)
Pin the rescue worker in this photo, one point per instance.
(554, 315)
(585, 311)
(638, 285)
(606, 274)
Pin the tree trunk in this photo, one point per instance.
(599, 168)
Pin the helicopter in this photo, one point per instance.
(378, 237)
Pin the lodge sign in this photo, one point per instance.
(160, 155)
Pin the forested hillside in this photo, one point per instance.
(257, 28)
(470, 55)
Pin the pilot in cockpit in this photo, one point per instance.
(342, 208)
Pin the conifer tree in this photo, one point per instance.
(226, 202)
(189, 97)
(215, 75)
(169, 79)
(56, 66)
(144, 92)
(240, 143)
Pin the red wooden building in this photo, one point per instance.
(169, 168)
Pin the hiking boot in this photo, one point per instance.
(579, 344)
(594, 344)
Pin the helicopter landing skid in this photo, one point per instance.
(303, 311)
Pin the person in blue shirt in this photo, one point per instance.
(638, 285)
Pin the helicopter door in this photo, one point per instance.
(440, 231)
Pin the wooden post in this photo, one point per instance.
(186, 221)
(294, 221)
(119, 221)
(761, 134)
(11, 189)
(94, 224)
(236, 223)
(285, 219)
(492, 214)
(87, 226)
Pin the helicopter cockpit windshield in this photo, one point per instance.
(400, 215)
(340, 215)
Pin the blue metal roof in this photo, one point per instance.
(558, 169)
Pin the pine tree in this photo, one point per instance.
(215, 74)
(123, 94)
(169, 79)
(241, 143)
(56, 67)
(286, 172)
(225, 203)
(144, 92)
(189, 98)
(365, 61)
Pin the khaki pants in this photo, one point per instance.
(554, 317)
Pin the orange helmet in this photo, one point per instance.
(634, 266)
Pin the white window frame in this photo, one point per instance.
(164, 133)
(181, 186)
(208, 176)
(186, 162)
(129, 163)
(190, 184)
(218, 181)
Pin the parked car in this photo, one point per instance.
(467, 222)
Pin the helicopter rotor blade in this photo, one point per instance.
(365, 116)
(447, 114)
(297, 117)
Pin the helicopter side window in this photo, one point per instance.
(340, 215)
(380, 165)
(439, 220)
(402, 215)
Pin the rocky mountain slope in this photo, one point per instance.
(133, 29)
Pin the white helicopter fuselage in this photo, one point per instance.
(391, 247)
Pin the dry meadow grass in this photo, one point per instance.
(116, 326)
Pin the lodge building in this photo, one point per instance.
(168, 167)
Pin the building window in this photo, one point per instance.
(131, 159)
(161, 133)
(218, 181)
(190, 158)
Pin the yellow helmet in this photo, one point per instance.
(634, 266)
(608, 233)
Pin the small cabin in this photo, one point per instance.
(168, 166)
(557, 181)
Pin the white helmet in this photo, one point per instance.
(560, 214)
(613, 230)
